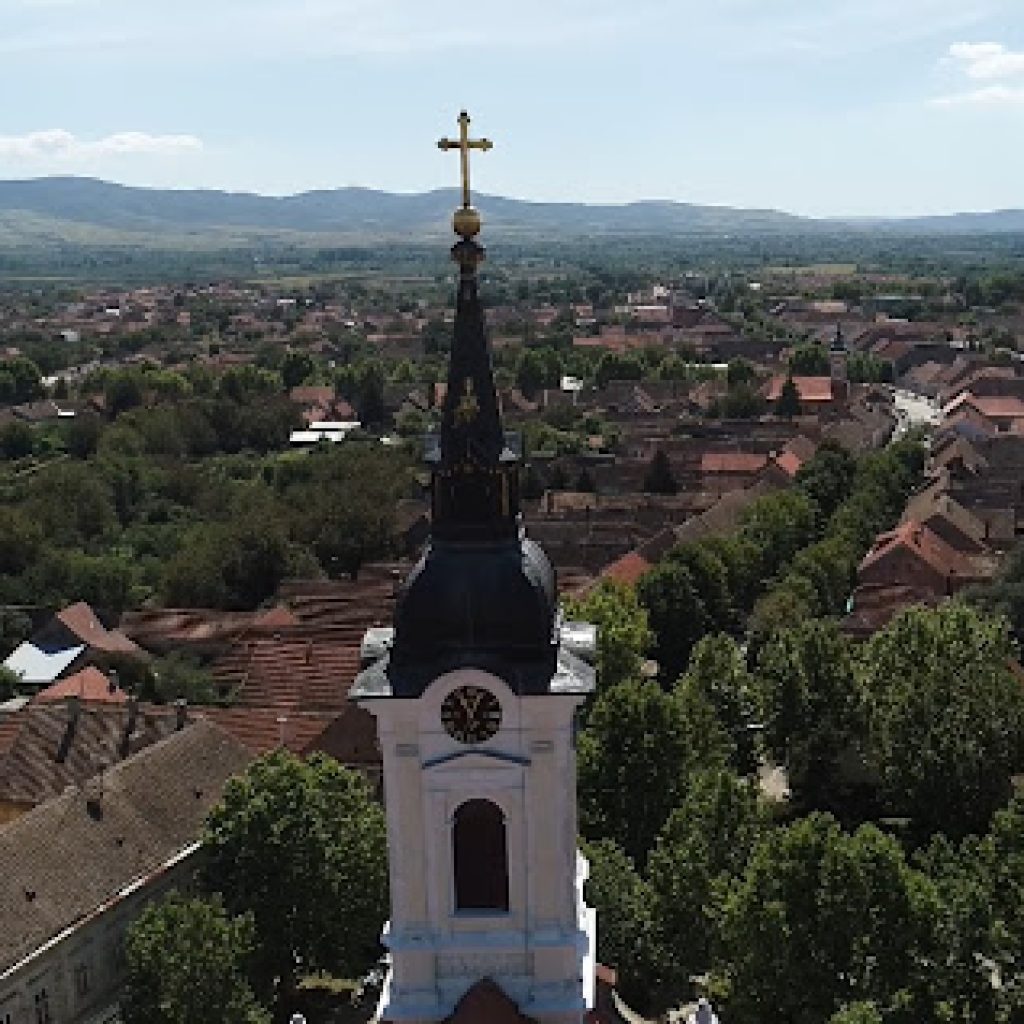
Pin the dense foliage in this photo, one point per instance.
(300, 845)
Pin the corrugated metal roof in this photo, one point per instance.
(35, 665)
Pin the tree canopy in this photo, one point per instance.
(289, 840)
(187, 961)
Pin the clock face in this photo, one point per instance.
(471, 714)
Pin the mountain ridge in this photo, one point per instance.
(51, 210)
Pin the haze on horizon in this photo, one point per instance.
(816, 107)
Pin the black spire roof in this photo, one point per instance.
(475, 465)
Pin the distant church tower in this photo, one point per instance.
(838, 359)
(475, 692)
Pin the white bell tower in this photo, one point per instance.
(486, 879)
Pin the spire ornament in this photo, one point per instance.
(466, 221)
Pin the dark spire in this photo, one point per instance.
(838, 341)
(475, 464)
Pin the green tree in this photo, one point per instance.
(659, 478)
(635, 754)
(228, 565)
(296, 368)
(122, 392)
(177, 676)
(676, 613)
(740, 372)
(301, 845)
(718, 671)
(17, 440)
(857, 1013)
(946, 715)
(702, 848)
(186, 962)
(711, 578)
(821, 919)
(623, 903)
(779, 525)
(623, 635)
(809, 361)
(26, 383)
(10, 683)
(530, 372)
(787, 405)
(827, 478)
(811, 707)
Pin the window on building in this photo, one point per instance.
(82, 981)
(481, 857)
(42, 1002)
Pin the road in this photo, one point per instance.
(914, 410)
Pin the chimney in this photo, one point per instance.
(180, 713)
(112, 680)
(133, 714)
(282, 730)
(309, 652)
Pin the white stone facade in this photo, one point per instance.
(541, 951)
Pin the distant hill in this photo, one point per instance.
(47, 212)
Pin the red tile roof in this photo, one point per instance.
(810, 389)
(925, 545)
(627, 569)
(732, 462)
(789, 463)
(312, 395)
(90, 684)
(81, 620)
(992, 406)
(302, 668)
(486, 1003)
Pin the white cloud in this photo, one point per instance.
(58, 145)
(987, 61)
(989, 96)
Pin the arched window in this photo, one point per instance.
(481, 857)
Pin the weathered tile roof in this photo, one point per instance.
(67, 858)
(51, 746)
(732, 462)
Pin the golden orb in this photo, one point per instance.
(466, 222)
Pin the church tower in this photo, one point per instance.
(475, 691)
(838, 359)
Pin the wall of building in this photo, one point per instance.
(79, 976)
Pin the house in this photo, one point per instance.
(78, 869)
(1005, 412)
(960, 528)
(913, 555)
(73, 638)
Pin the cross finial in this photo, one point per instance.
(465, 225)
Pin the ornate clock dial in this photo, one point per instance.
(471, 714)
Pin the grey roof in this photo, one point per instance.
(67, 857)
(572, 676)
(43, 751)
(38, 665)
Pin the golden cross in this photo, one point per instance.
(464, 144)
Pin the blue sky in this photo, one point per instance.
(815, 106)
